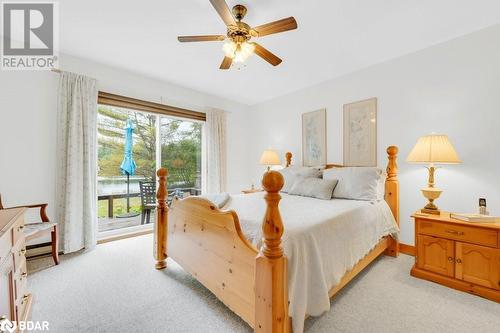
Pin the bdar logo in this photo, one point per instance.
(7, 326)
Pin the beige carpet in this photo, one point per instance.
(116, 289)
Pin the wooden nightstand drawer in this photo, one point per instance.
(486, 237)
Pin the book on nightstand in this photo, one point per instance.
(479, 218)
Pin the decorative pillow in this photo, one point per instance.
(314, 188)
(358, 183)
(293, 173)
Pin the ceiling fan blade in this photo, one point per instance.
(203, 38)
(224, 12)
(275, 27)
(226, 63)
(267, 55)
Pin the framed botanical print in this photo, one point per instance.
(314, 138)
(360, 133)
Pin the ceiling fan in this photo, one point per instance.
(237, 47)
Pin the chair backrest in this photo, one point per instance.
(148, 193)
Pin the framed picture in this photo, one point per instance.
(314, 138)
(360, 133)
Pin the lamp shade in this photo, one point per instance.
(270, 157)
(433, 148)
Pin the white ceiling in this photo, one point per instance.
(335, 37)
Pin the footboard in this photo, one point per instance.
(209, 244)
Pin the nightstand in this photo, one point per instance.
(252, 190)
(457, 254)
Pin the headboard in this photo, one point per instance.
(288, 157)
(391, 182)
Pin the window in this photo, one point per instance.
(161, 136)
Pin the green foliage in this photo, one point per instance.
(180, 145)
(111, 129)
(119, 207)
(181, 151)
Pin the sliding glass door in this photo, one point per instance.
(181, 150)
(131, 145)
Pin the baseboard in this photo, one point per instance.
(407, 249)
(124, 236)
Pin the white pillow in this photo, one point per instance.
(294, 173)
(358, 183)
(314, 188)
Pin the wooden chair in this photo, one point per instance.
(148, 200)
(38, 229)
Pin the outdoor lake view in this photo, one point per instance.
(176, 143)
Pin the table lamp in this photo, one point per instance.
(433, 149)
(270, 157)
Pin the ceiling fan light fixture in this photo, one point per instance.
(229, 48)
(247, 49)
(239, 52)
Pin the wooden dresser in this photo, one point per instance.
(460, 255)
(15, 300)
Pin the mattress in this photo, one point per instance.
(323, 239)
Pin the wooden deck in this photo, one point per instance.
(106, 223)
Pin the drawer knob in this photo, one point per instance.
(25, 274)
(454, 232)
(451, 259)
(22, 252)
(21, 227)
(459, 261)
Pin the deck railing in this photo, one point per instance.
(175, 191)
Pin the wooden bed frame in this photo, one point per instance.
(210, 245)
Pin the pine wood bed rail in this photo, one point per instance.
(209, 244)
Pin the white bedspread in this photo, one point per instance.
(323, 239)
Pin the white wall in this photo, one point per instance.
(452, 88)
(28, 104)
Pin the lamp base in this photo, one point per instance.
(431, 194)
(430, 211)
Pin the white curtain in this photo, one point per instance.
(76, 191)
(215, 139)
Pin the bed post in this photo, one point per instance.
(392, 194)
(161, 223)
(288, 157)
(271, 291)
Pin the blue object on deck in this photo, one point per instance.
(128, 164)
